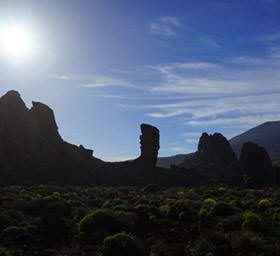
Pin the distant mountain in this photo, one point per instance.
(165, 162)
(266, 135)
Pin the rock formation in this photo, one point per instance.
(256, 165)
(212, 149)
(149, 141)
(31, 149)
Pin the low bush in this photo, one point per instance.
(99, 219)
(4, 252)
(53, 227)
(122, 244)
(5, 221)
(252, 222)
(223, 209)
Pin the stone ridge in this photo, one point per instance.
(32, 150)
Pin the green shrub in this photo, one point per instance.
(121, 207)
(151, 188)
(252, 221)
(19, 235)
(165, 209)
(4, 252)
(5, 221)
(276, 219)
(210, 202)
(223, 209)
(96, 202)
(122, 244)
(59, 208)
(100, 218)
(53, 226)
(204, 213)
(264, 204)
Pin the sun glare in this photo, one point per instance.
(16, 43)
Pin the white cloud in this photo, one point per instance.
(176, 150)
(192, 134)
(246, 60)
(272, 37)
(249, 120)
(165, 26)
(94, 81)
(192, 141)
(118, 158)
(102, 81)
(210, 79)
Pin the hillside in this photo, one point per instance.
(165, 162)
(266, 135)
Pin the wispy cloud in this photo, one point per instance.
(192, 134)
(192, 141)
(272, 37)
(246, 121)
(165, 26)
(118, 158)
(220, 80)
(94, 81)
(246, 60)
(176, 150)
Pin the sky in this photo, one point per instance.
(184, 66)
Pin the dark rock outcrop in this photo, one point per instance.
(32, 151)
(256, 165)
(212, 149)
(214, 160)
(149, 140)
(215, 149)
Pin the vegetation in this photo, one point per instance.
(151, 220)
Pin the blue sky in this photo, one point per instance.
(187, 67)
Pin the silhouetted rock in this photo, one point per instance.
(149, 140)
(214, 160)
(256, 164)
(212, 149)
(32, 151)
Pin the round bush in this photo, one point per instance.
(223, 210)
(252, 222)
(58, 208)
(20, 235)
(210, 202)
(100, 218)
(4, 252)
(264, 204)
(151, 188)
(122, 244)
(5, 221)
(53, 226)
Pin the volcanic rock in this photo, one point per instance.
(32, 151)
(256, 165)
(149, 141)
(212, 149)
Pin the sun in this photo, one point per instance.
(17, 42)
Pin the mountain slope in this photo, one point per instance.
(266, 135)
(165, 162)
